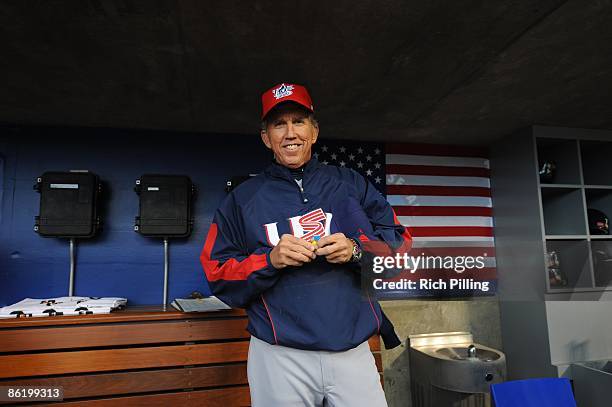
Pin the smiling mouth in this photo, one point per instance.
(292, 147)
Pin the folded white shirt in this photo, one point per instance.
(62, 306)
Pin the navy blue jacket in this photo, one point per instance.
(317, 306)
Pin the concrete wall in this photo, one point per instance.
(480, 316)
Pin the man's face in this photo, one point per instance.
(290, 134)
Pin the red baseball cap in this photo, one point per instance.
(285, 92)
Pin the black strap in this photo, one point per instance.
(387, 333)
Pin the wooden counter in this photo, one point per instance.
(139, 356)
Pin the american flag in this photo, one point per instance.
(440, 193)
(366, 158)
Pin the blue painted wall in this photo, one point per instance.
(118, 262)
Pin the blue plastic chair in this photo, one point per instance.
(549, 392)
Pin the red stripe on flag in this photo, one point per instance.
(435, 231)
(453, 251)
(443, 211)
(437, 170)
(437, 191)
(435, 149)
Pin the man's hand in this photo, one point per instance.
(291, 251)
(336, 248)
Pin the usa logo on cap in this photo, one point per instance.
(285, 92)
(282, 91)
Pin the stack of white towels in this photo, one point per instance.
(33, 307)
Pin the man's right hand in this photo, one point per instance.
(291, 251)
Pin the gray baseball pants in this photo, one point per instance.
(287, 377)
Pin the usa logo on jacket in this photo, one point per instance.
(307, 226)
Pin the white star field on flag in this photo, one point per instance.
(368, 159)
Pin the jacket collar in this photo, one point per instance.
(277, 170)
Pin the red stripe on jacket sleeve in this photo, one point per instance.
(232, 269)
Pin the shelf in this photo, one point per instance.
(576, 294)
(561, 186)
(574, 290)
(566, 237)
(574, 265)
(596, 157)
(599, 203)
(563, 153)
(563, 211)
(601, 251)
(578, 237)
(554, 313)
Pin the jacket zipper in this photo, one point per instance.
(304, 199)
(301, 189)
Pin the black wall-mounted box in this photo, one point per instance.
(68, 204)
(165, 208)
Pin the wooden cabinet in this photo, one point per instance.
(138, 356)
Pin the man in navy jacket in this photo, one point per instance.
(286, 245)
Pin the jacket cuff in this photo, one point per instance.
(269, 262)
